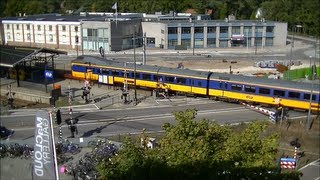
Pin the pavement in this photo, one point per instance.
(311, 171)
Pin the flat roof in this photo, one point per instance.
(10, 55)
(72, 18)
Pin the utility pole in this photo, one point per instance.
(193, 38)
(135, 67)
(292, 46)
(144, 60)
(313, 73)
(125, 84)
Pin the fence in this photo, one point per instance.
(106, 101)
(300, 73)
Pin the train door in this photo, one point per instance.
(223, 87)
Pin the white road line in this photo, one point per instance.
(309, 164)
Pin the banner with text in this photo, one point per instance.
(43, 167)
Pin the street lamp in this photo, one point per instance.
(311, 94)
(135, 65)
(81, 35)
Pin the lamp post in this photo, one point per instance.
(194, 34)
(247, 40)
(135, 65)
(311, 94)
(81, 36)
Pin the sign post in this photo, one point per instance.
(45, 159)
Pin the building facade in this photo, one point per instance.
(215, 34)
(117, 32)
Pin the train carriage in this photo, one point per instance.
(295, 95)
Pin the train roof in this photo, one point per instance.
(85, 59)
(265, 81)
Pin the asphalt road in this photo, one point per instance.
(132, 120)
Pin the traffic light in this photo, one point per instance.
(58, 115)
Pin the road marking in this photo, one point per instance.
(309, 164)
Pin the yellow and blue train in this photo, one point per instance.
(294, 95)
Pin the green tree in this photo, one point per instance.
(198, 149)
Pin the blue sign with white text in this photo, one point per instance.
(48, 74)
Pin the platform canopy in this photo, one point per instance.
(11, 56)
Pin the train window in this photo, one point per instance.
(169, 79)
(264, 91)
(115, 73)
(236, 87)
(105, 71)
(199, 84)
(223, 85)
(294, 95)
(279, 93)
(181, 80)
(146, 76)
(251, 89)
(78, 68)
(307, 97)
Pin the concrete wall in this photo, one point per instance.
(281, 32)
(28, 97)
(155, 30)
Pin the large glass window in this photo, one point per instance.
(198, 43)
(63, 28)
(223, 43)
(50, 27)
(28, 26)
(185, 30)
(18, 27)
(270, 29)
(211, 42)
(236, 30)
(198, 30)
(186, 42)
(172, 42)
(258, 41)
(92, 32)
(247, 30)
(211, 29)
(172, 30)
(224, 29)
(269, 41)
(259, 29)
(39, 27)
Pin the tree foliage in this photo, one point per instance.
(297, 12)
(199, 149)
